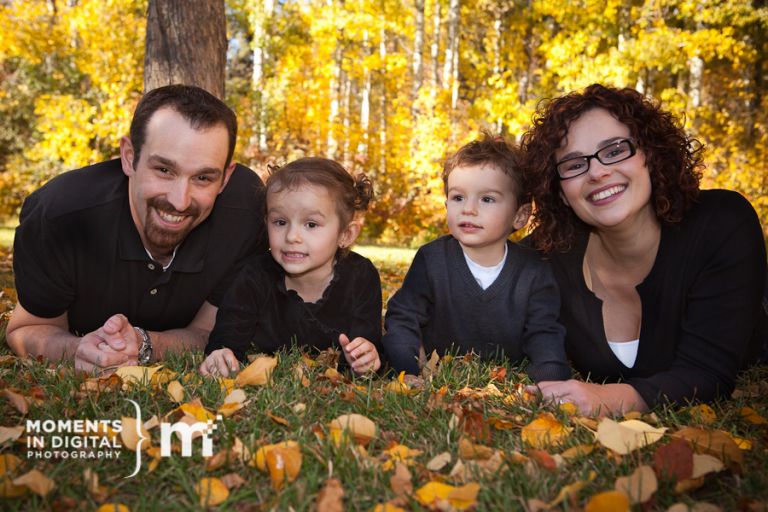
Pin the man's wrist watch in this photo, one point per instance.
(145, 349)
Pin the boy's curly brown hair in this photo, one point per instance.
(673, 159)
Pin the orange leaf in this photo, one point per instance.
(18, 401)
(460, 498)
(113, 507)
(283, 464)
(36, 482)
(400, 481)
(260, 457)
(360, 429)
(545, 431)
(211, 491)
(176, 391)
(750, 415)
(257, 373)
(331, 497)
(610, 501)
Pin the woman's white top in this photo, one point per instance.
(625, 351)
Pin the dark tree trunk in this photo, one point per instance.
(186, 43)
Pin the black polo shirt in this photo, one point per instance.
(77, 250)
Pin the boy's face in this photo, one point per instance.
(482, 211)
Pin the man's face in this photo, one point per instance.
(174, 184)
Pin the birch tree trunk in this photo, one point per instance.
(260, 22)
(365, 101)
(383, 100)
(186, 43)
(335, 92)
(418, 49)
(435, 47)
(451, 65)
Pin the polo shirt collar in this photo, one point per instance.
(190, 255)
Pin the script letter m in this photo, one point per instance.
(186, 433)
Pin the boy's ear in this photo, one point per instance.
(350, 233)
(521, 216)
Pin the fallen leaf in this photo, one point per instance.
(132, 434)
(360, 429)
(703, 414)
(609, 501)
(543, 459)
(545, 431)
(113, 507)
(387, 507)
(257, 373)
(283, 464)
(714, 442)
(460, 498)
(133, 375)
(438, 462)
(499, 373)
(10, 433)
(400, 481)
(704, 464)
(674, 460)
(232, 481)
(568, 408)
(18, 401)
(37, 482)
(195, 409)
(627, 436)
(577, 451)
(299, 408)
(571, 491)
(331, 497)
(750, 415)
(211, 491)
(639, 486)
(8, 464)
(399, 453)
(260, 457)
(229, 409)
(471, 451)
(465, 471)
(176, 391)
(278, 419)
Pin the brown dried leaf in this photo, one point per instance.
(704, 464)
(132, 434)
(400, 481)
(471, 451)
(331, 497)
(10, 433)
(37, 482)
(233, 481)
(18, 401)
(438, 462)
(713, 442)
(674, 459)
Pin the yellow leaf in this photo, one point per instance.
(257, 373)
(132, 375)
(283, 464)
(211, 491)
(227, 385)
(399, 453)
(703, 413)
(132, 433)
(359, 428)
(571, 490)
(610, 501)
(196, 410)
(545, 431)
(627, 436)
(229, 409)
(176, 391)
(460, 498)
(577, 451)
(568, 408)
(36, 482)
(387, 507)
(8, 464)
(260, 457)
(113, 507)
(639, 486)
(162, 377)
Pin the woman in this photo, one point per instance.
(661, 283)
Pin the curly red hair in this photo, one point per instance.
(673, 159)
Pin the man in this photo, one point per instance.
(125, 261)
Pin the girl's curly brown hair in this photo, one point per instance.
(673, 159)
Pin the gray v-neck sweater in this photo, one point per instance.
(441, 306)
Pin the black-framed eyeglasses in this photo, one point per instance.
(613, 153)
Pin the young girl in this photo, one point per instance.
(311, 290)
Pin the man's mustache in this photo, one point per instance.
(165, 206)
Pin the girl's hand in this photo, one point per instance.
(220, 363)
(592, 399)
(361, 354)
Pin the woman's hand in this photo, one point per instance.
(361, 354)
(593, 399)
(220, 363)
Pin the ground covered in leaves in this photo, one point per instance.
(294, 434)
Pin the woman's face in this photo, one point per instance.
(607, 197)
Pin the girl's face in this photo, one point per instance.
(305, 231)
(607, 197)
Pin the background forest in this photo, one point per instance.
(387, 86)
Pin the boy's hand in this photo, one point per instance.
(361, 354)
(220, 363)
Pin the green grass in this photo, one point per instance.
(421, 421)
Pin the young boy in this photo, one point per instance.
(473, 289)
